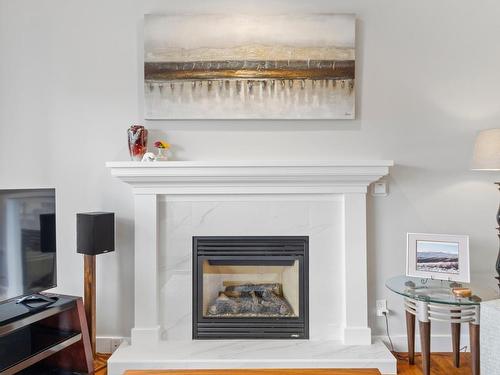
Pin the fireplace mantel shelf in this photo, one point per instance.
(250, 176)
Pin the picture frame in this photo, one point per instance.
(438, 256)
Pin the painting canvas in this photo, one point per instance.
(434, 256)
(249, 67)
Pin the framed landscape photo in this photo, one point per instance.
(438, 256)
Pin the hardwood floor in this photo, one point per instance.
(441, 364)
(259, 372)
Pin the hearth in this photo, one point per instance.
(250, 287)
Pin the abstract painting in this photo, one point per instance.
(249, 67)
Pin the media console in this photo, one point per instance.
(45, 339)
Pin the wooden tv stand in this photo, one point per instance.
(48, 340)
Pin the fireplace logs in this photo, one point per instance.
(251, 300)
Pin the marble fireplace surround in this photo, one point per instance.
(157, 186)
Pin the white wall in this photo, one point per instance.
(428, 78)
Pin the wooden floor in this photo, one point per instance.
(254, 372)
(441, 364)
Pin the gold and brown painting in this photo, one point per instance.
(249, 67)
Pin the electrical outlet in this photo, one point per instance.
(115, 343)
(382, 307)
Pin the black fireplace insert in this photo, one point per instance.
(250, 287)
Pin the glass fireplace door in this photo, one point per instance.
(250, 287)
(257, 288)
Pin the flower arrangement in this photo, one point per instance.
(162, 148)
(162, 144)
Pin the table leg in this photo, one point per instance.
(425, 344)
(474, 347)
(410, 332)
(455, 339)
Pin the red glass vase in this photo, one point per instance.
(137, 141)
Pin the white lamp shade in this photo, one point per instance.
(487, 150)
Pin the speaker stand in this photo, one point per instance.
(89, 292)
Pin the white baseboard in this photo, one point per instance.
(108, 344)
(439, 343)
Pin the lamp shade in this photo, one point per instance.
(487, 150)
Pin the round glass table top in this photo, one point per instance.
(440, 291)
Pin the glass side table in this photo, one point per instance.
(432, 300)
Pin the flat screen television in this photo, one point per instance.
(27, 242)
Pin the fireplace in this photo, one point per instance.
(326, 200)
(250, 287)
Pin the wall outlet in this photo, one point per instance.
(108, 344)
(115, 343)
(382, 307)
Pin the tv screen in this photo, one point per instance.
(27, 242)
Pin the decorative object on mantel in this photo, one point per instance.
(438, 256)
(249, 67)
(95, 234)
(137, 141)
(487, 158)
(162, 148)
(148, 156)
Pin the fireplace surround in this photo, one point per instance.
(253, 287)
(325, 200)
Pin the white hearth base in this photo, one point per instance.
(258, 354)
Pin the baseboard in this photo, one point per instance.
(439, 343)
(108, 344)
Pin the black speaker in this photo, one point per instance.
(95, 232)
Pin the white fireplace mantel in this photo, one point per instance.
(249, 177)
(153, 182)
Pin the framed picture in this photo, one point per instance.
(438, 256)
(204, 66)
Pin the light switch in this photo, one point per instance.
(379, 189)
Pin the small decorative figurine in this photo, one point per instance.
(137, 141)
(162, 148)
(148, 156)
